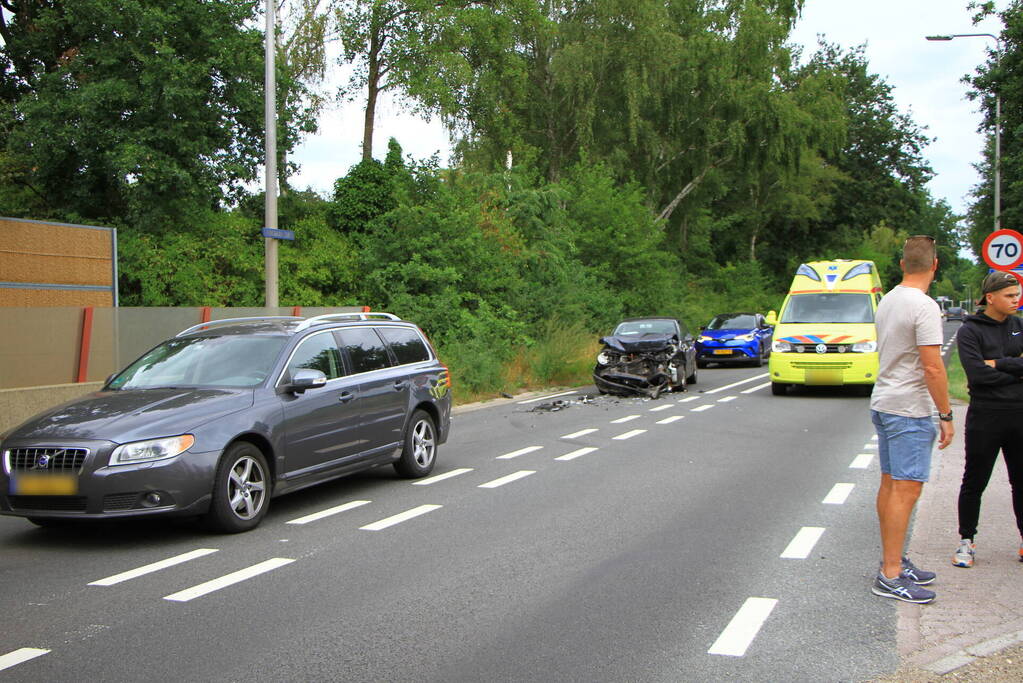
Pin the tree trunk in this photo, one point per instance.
(372, 90)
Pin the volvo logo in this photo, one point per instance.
(42, 462)
(821, 348)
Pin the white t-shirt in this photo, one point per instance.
(906, 318)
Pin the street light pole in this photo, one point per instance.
(998, 117)
(270, 184)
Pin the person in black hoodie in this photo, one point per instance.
(990, 345)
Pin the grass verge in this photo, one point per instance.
(957, 378)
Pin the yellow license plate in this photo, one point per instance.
(824, 377)
(722, 352)
(44, 485)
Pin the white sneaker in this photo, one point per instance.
(964, 554)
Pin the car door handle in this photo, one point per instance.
(346, 396)
(400, 384)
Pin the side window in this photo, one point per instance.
(407, 345)
(318, 352)
(683, 330)
(365, 349)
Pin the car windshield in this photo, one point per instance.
(224, 361)
(826, 307)
(634, 327)
(733, 321)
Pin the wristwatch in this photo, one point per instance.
(945, 417)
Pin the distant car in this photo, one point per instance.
(734, 338)
(646, 356)
(955, 313)
(228, 414)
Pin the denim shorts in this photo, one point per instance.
(904, 445)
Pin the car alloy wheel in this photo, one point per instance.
(246, 487)
(241, 490)
(419, 451)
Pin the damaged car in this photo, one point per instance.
(646, 356)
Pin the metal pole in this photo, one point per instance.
(270, 245)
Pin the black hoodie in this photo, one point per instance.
(981, 338)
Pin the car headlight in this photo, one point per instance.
(747, 337)
(705, 338)
(150, 451)
(603, 358)
(865, 347)
(779, 346)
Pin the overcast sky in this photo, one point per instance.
(926, 77)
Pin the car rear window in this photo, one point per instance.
(407, 345)
(365, 349)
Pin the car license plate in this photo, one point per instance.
(824, 377)
(722, 352)
(31, 484)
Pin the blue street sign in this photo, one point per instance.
(275, 234)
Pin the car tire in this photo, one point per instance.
(241, 490)
(779, 388)
(758, 362)
(701, 364)
(691, 379)
(419, 452)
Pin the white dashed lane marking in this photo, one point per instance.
(735, 384)
(726, 399)
(329, 512)
(660, 408)
(869, 446)
(629, 435)
(576, 453)
(874, 438)
(838, 494)
(228, 580)
(521, 451)
(544, 398)
(400, 517)
(442, 477)
(581, 432)
(669, 420)
(756, 388)
(627, 418)
(801, 546)
(20, 656)
(501, 481)
(861, 461)
(743, 628)
(702, 408)
(688, 399)
(154, 567)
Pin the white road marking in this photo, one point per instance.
(838, 494)
(743, 628)
(154, 567)
(874, 438)
(501, 481)
(756, 388)
(442, 477)
(690, 398)
(735, 384)
(861, 461)
(660, 408)
(228, 580)
(703, 408)
(726, 399)
(575, 454)
(400, 517)
(521, 451)
(19, 656)
(869, 446)
(581, 432)
(629, 435)
(669, 420)
(801, 546)
(544, 398)
(627, 418)
(329, 511)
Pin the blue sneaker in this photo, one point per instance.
(901, 588)
(920, 577)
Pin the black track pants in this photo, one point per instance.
(987, 433)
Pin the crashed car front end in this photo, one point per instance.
(643, 365)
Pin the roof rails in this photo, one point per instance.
(309, 322)
(210, 323)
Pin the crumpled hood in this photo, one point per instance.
(639, 343)
(123, 416)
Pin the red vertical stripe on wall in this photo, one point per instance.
(296, 311)
(207, 313)
(365, 309)
(83, 351)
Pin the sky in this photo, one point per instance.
(926, 77)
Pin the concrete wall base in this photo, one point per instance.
(19, 404)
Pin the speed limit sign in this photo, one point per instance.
(1003, 249)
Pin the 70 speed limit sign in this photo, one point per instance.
(1003, 249)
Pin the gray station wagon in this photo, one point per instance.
(231, 413)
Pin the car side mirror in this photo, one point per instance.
(305, 379)
(771, 319)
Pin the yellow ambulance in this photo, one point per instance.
(825, 333)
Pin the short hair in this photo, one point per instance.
(918, 254)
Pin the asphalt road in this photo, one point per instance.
(620, 540)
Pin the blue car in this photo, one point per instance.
(734, 338)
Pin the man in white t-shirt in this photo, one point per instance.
(911, 381)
